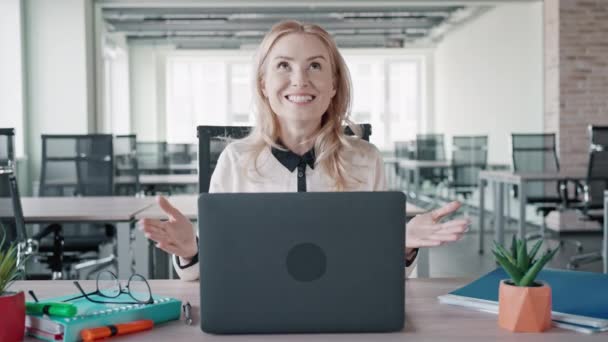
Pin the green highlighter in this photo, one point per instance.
(51, 309)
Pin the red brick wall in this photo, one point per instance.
(576, 74)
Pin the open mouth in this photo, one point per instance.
(300, 99)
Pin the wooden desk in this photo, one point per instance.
(426, 319)
(499, 181)
(118, 210)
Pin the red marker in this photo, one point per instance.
(93, 334)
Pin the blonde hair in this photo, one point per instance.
(330, 141)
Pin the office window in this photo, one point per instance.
(206, 91)
(240, 94)
(217, 90)
(388, 93)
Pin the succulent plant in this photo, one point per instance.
(9, 270)
(519, 263)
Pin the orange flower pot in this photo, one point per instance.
(524, 309)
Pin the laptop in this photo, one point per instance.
(302, 262)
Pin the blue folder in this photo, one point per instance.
(577, 297)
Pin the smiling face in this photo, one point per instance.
(298, 80)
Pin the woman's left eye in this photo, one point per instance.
(315, 65)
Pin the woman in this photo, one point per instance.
(303, 96)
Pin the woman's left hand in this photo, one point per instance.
(425, 230)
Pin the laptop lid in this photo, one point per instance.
(302, 262)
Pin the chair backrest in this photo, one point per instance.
(535, 153)
(7, 148)
(366, 131)
(211, 142)
(597, 172)
(179, 154)
(125, 158)
(213, 139)
(81, 165)
(469, 156)
(152, 155)
(11, 213)
(405, 149)
(430, 147)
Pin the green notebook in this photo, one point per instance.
(92, 315)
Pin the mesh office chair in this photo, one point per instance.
(366, 131)
(532, 153)
(76, 165)
(590, 194)
(469, 156)
(431, 147)
(126, 166)
(178, 154)
(152, 157)
(181, 155)
(213, 139)
(11, 219)
(7, 164)
(211, 142)
(7, 148)
(405, 149)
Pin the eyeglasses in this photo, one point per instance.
(108, 286)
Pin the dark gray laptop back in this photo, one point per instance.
(302, 262)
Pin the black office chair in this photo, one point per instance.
(213, 139)
(469, 156)
(211, 142)
(589, 195)
(7, 148)
(76, 165)
(178, 154)
(11, 220)
(7, 167)
(152, 157)
(536, 152)
(431, 147)
(125, 164)
(366, 131)
(405, 149)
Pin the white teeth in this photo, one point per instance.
(300, 98)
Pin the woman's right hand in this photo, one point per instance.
(175, 235)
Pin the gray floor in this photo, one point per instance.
(461, 259)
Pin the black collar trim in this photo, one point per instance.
(291, 160)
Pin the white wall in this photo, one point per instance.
(11, 71)
(147, 88)
(59, 72)
(489, 77)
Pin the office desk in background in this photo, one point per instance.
(164, 169)
(499, 180)
(117, 210)
(426, 319)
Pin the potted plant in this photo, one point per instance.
(524, 304)
(12, 304)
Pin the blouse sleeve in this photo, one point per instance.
(380, 185)
(188, 269)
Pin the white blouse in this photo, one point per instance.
(235, 172)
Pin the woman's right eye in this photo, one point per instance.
(282, 65)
